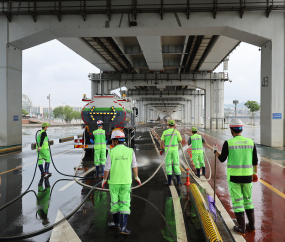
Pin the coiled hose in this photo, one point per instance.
(26, 191)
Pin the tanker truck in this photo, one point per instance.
(114, 111)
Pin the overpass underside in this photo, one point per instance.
(163, 52)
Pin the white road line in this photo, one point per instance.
(66, 186)
(179, 219)
(63, 232)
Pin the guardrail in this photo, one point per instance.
(33, 145)
(70, 138)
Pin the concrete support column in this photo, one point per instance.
(207, 106)
(200, 108)
(272, 91)
(10, 89)
(196, 110)
(217, 102)
(95, 89)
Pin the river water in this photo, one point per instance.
(54, 133)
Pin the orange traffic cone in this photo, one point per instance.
(187, 183)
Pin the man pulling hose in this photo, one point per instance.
(241, 172)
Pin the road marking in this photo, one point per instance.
(272, 188)
(66, 186)
(179, 219)
(31, 163)
(63, 232)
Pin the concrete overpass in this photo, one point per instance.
(156, 49)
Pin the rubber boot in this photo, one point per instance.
(97, 171)
(123, 224)
(41, 167)
(198, 172)
(116, 223)
(204, 171)
(250, 215)
(47, 185)
(103, 167)
(169, 178)
(47, 169)
(40, 184)
(241, 222)
(179, 183)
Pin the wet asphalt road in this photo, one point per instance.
(90, 221)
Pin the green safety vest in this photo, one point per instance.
(240, 157)
(99, 139)
(167, 134)
(197, 144)
(121, 165)
(45, 143)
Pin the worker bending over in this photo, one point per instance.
(99, 139)
(43, 150)
(241, 172)
(121, 160)
(197, 151)
(173, 153)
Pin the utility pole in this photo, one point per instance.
(235, 102)
(48, 97)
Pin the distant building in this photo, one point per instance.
(78, 109)
(45, 110)
(37, 110)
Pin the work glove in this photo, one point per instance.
(39, 149)
(254, 177)
(104, 182)
(106, 141)
(138, 180)
(91, 140)
(161, 152)
(215, 148)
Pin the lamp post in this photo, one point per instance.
(235, 102)
(48, 97)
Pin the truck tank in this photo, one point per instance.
(114, 111)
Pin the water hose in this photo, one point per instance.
(46, 229)
(21, 195)
(101, 189)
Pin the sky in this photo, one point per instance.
(52, 68)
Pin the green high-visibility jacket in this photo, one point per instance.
(240, 157)
(45, 143)
(99, 139)
(197, 144)
(166, 136)
(121, 165)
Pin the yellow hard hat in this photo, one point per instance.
(45, 124)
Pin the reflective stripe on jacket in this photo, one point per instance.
(197, 144)
(166, 136)
(240, 157)
(121, 165)
(99, 139)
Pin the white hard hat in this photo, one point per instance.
(236, 123)
(99, 122)
(118, 134)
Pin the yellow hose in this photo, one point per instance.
(209, 225)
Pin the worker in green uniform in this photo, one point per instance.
(99, 139)
(43, 199)
(241, 172)
(120, 161)
(173, 153)
(197, 151)
(43, 150)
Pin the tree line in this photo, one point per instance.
(66, 113)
